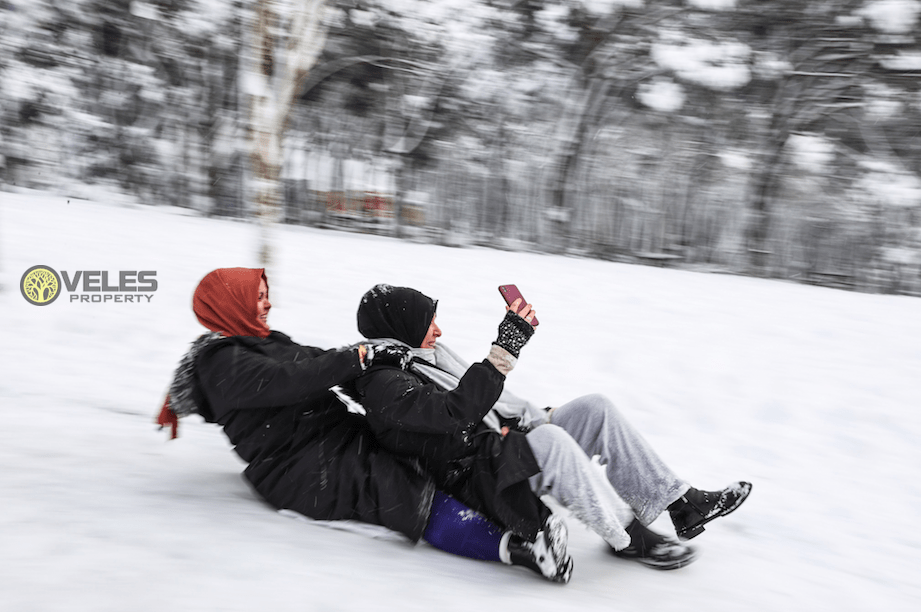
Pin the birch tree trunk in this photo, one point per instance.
(288, 39)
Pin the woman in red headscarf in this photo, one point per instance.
(305, 451)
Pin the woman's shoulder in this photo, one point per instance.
(277, 336)
(275, 339)
(276, 345)
(213, 346)
(385, 375)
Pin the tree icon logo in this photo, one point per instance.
(40, 285)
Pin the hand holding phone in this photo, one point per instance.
(511, 293)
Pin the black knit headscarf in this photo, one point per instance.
(400, 313)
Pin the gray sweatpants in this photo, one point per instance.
(633, 473)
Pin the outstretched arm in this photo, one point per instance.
(234, 376)
(411, 416)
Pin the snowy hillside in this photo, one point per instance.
(812, 394)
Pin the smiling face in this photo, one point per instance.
(431, 336)
(263, 305)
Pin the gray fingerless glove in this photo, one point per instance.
(514, 333)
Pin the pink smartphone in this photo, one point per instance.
(511, 293)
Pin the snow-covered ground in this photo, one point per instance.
(812, 394)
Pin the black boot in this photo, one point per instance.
(547, 555)
(694, 509)
(655, 550)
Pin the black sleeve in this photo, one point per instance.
(236, 377)
(398, 401)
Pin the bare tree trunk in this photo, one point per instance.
(561, 200)
(283, 50)
(757, 233)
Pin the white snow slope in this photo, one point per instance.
(812, 394)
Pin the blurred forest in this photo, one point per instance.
(778, 138)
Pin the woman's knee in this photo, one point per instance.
(590, 408)
(600, 402)
(601, 408)
(552, 439)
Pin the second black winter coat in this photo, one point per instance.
(305, 451)
(413, 417)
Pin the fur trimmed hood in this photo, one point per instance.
(183, 390)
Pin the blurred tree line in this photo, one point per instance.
(771, 137)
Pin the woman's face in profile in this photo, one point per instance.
(263, 305)
(431, 336)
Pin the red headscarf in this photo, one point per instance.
(224, 302)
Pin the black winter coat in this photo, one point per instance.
(412, 416)
(306, 452)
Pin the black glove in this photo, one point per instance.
(513, 423)
(514, 333)
(395, 355)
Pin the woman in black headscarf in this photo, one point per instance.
(443, 428)
(496, 452)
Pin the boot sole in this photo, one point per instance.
(690, 556)
(557, 539)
